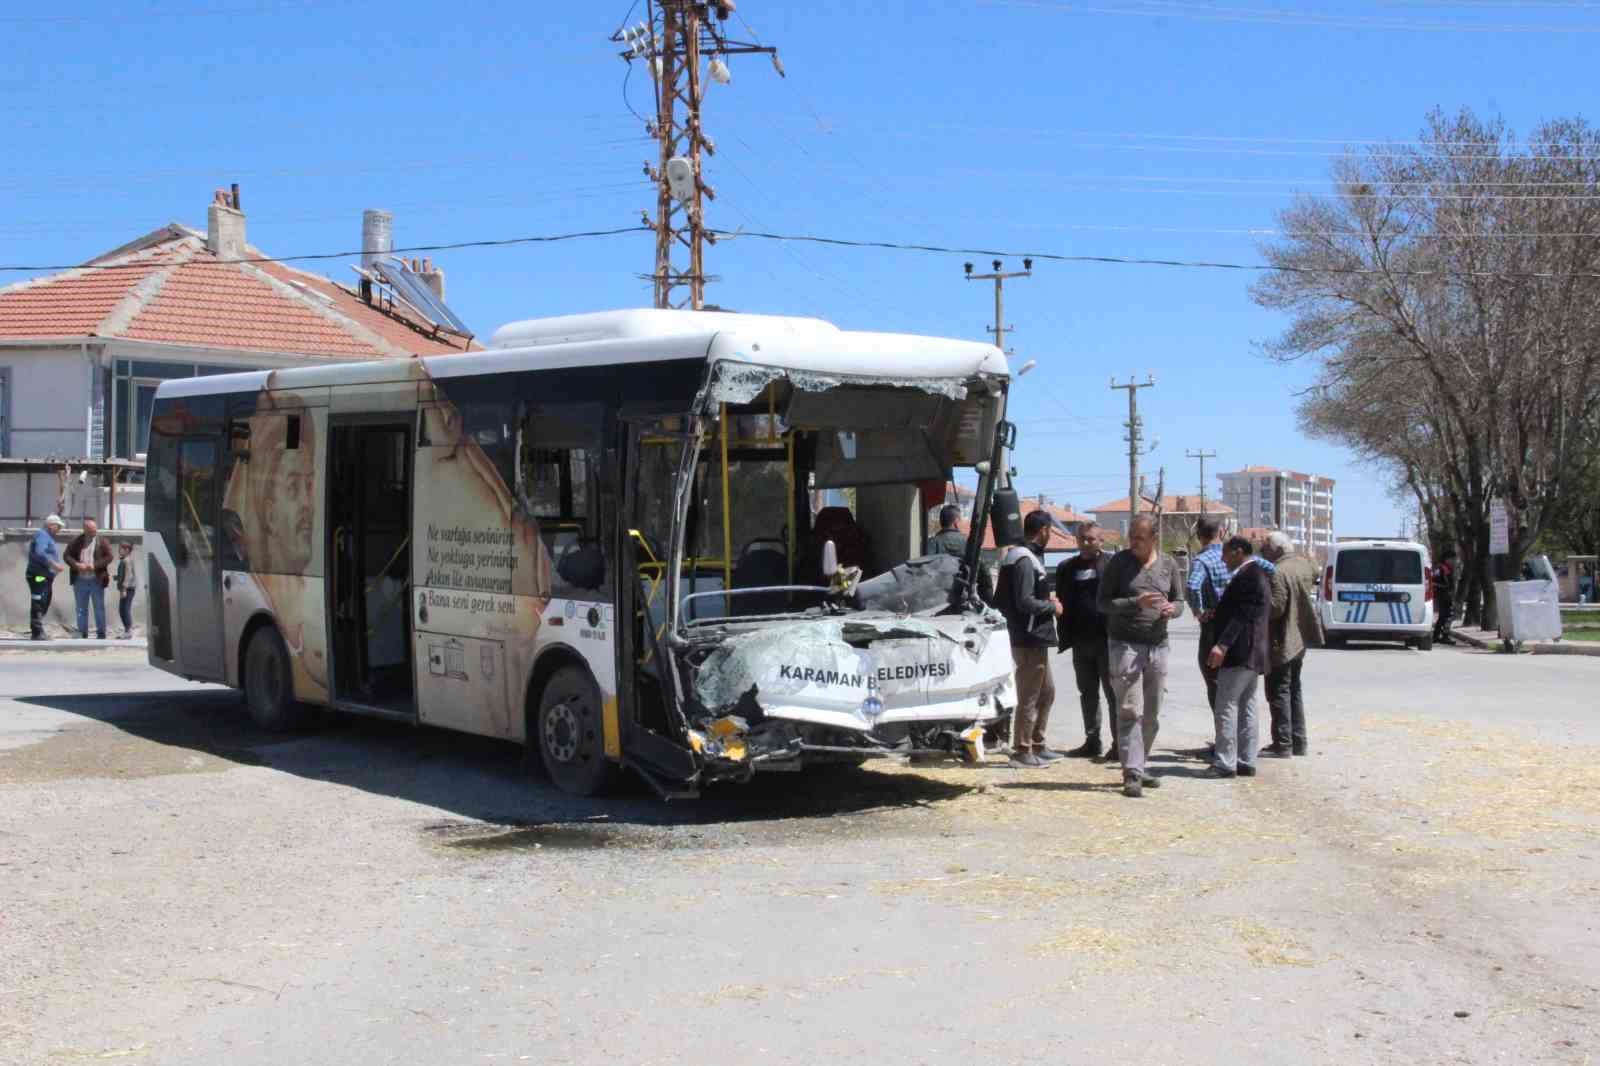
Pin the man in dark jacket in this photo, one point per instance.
(1242, 653)
(1444, 596)
(88, 560)
(1030, 608)
(951, 541)
(1082, 631)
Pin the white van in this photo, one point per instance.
(1378, 590)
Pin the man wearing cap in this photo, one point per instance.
(44, 563)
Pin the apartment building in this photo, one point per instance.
(1269, 497)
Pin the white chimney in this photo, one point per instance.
(377, 236)
(434, 278)
(225, 227)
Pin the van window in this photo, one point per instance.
(1378, 566)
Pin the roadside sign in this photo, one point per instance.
(1499, 528)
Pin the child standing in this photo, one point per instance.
(127, 586)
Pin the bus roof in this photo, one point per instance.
(648, 335)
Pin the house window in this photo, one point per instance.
(134, 396)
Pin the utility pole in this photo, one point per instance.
(679, 36)
(1202, 455)
(1000, 329)
(1135, 436)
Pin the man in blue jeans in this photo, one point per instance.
(89, 559)
(44, 563)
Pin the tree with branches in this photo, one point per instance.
(1450, 296)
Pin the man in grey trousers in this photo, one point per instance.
(1140, 591)
(1242, 653)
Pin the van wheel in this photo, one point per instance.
(569, 734)
(268, 684)
(1331, 641)
(1425, 643)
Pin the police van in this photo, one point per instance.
(1377, 590)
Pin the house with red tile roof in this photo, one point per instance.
(82, 351)
(1178, 516)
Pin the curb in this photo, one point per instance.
(1565, 648)
(69, 644)
(1540, 648)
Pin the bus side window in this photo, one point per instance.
(557, 476)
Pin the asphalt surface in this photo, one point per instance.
(177, 887)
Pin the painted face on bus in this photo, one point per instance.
(274, 494)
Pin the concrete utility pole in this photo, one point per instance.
(679, 36)
(1135, 436)
(1202, 455)
(1000, 329)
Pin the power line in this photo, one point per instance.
(846, 242)
(449, 247)
(1284, 17)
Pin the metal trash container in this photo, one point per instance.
(1527, 610)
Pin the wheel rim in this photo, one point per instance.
(563, 731)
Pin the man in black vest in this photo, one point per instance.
(1030, 609)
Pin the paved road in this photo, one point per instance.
(176, 887)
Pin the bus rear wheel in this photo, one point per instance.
(268, 684)
(569, 734)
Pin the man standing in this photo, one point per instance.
(1024, 597)
(1083, 632)
(1444, 596)
(1242, 653)
(1140, 591)
(951, 541)
(89, 557)
(1208, 578)
(1295, 627)
(44, 563)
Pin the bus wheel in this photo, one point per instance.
(569, 733)
(268, 690)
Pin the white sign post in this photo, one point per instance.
(1499, 528)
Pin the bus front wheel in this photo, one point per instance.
(268, 687)
(569, 733)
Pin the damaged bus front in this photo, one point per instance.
(791, 613)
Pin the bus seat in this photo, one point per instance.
(760, 564)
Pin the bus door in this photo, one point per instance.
(369, 570)
(195, 560)
(651, 729)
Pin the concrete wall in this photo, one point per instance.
(62, 619)
(49, 401)
(87, 498)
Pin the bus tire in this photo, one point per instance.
(570, 735)
(268, 682)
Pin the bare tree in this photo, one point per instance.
(1451, 296)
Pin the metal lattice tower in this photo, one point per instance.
(684, 46)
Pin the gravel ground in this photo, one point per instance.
(177, 887)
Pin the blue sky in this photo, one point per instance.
(1119, 127)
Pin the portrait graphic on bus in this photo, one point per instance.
(269, 505)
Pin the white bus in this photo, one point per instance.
(597, 538)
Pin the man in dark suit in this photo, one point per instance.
(1242, 653)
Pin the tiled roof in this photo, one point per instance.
(170, 288)
(1169, 505)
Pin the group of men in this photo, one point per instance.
(1257, 616)
(91, 565)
